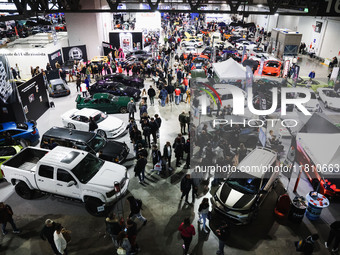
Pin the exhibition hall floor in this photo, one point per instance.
(161, 205)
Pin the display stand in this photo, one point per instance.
(316, 202)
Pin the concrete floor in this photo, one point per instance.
(162, 206)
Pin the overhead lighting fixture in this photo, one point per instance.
(259, 5)
(276, 14)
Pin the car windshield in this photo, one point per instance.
(97, 142)
(99, 117)
(273, 64)
(87, 168)
(244, 182)
(58, 87)
(332, 93)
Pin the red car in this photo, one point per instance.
(60, 27)
(272, 67)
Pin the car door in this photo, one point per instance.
(81, 122)
(63, 179)
(45, 178)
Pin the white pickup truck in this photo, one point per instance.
(69, 173)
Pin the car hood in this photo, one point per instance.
(110, 123)
(234, 199)
(113, 148)
(108, 174)
(311, 103)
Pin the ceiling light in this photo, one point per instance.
(259, 5)
(276, 14)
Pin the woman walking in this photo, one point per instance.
(203, 211)
(187, 231)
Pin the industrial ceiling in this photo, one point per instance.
(23, 9)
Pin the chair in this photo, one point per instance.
(283, 206)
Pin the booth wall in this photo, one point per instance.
(289, 22)
(331, 43)
(27, 57)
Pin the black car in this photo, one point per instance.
(111, 150)
(68, 65)
(232, 132)
(139, 53)
(131, 81)
(114, 88)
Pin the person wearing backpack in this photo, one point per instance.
(187, 231)
(135, 207)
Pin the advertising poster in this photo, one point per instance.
(54, 57)
(126, 42)
(107, 47)
(75, 53)
(34, 97)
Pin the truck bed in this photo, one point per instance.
(26, 159)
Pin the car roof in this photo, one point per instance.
(258, 158)
(86, 112)
(61, 153)
(56, 81)
(102, 95)
(71, 134)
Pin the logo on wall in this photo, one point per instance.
(5, 86)
(75, 53)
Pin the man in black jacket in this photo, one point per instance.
(92, 125)
(186, 184)
(151, 94)
(154, 129)
(222, 233)
(140, 168)
(47, 234)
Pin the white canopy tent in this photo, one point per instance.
(229, 70)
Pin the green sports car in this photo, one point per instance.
(104, 102)
(6, 152)
(304, 82)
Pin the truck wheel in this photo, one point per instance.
(92, 204)
(23, 190)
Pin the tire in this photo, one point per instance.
(71, 126)
(183, 44)
(240, 48)
(91, 205)
(101, 133)
(123, 110)
(24, 191)
(195, 45)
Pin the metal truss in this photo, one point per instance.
(282, 7)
